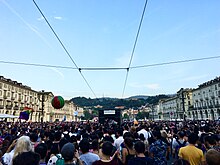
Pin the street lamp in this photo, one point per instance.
(42, 97)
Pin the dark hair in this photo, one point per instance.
(127, 134)
(129, 142)
(157, 134)
(120, 132)
(139, 147)
(136, 135)
(181, 134)
(107, 148)
(141, 136)
(95, 144)
(108, 138)
(85, 136)
(57, 136)
(33, 137)
(41, 149)
(84, 145)
(27, 158)
(192, 138)
(210, 140)
(62, 142)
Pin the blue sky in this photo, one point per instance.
(101, 33)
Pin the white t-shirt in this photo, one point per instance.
(118, 142)
(89, 158)
(145, 133)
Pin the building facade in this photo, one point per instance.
(206, 101)
(184, 103)
(168, 108)
(16, 97)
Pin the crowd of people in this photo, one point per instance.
(92, 143)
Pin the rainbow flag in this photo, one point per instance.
(25, 114)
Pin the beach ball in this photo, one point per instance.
(57, 102)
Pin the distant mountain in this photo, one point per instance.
(139, 97)
(111, 103)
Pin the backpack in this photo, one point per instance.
(179, 146)
(60, 160)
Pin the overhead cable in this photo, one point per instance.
(133, 50)
(111, 68)
(175, 62)
(63, 46)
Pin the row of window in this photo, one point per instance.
(17, 89)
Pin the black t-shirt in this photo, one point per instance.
(140, 161)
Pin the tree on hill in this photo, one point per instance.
(111, 103)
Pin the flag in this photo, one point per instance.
(25, 114)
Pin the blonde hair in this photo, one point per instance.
(23, 144)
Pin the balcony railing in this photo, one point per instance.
(16, 108)
(210, 106)
(8, 106)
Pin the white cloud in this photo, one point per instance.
(57, 71)
(153, 86)
(41, 18)
(58, 17)
(26, 23)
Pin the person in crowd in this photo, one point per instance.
(128, 151)
(210, 143)
(158, 149)
(68, 153)
(106, 159)
(191, 153)
(34, 138)
(27, 158)
(179, 142)
(41, 149)
(166, 140)
(144, 132)
(140, 158)
(212, 157)
(95, 147)
(87, 157)
(55, 149)
(119, 139)
(23, 144)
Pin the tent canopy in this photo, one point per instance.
(8, 116)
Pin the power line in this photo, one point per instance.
(38, 65)
(63, 46)
(111, 68)
(133, 50)
(175, 62)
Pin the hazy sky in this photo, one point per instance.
(101, 33)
